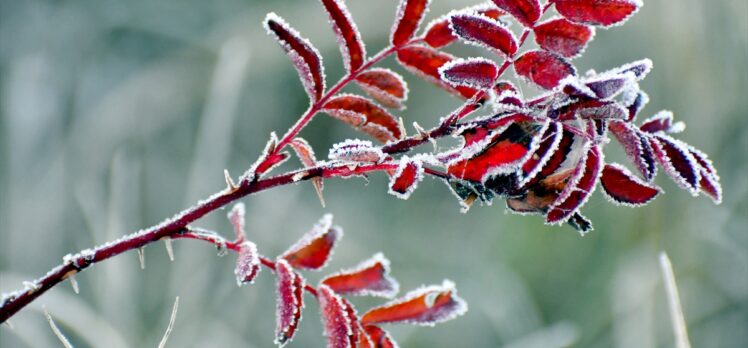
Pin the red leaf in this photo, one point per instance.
(597, 12)
(314, 249)
(385, 86)
(273, 160)
(379, 338)
(477, 73)
(306, 155)
(425, 62)
(406, 178)
(636, 146)
(559, 155)
(677, 161)
(290, 288)
(247, 263)
(362, 114)
(439, 34)
(636, 105)
(483, 31)
(709, 182)
(409, 16)
(563, 37)
(544, 68)
(236, 218)
(623, 187)
(578, 188)
(305, 57)
(549, 144)
(424, 306)
(662, 122)
(526, 12)
(604, 111)
(606, 86)
(501, 156)
(338, 326)
(351, 46)
(354, 150)
(369, 278)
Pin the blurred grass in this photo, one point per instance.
(117, 114)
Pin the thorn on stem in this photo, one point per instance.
(170, 327)
(169, 248)
(317, 183)
(74, 283)
(56, 330)
(9, 324)
(141, 257)
(230, 185)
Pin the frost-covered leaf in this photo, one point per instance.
(623, 187)
(425, 306)
(544, 68)
(549, 143)
(662, 122)
(349, 39)
(425, 62)
(290, 290)
(338, 325)
(354, 150)
(313, 250)
(385, 86)
(526, 12)
(604, 111)
(559, 155)
(439, 33)
(379, 338)
(563, 37)
(609, 86)
(483, 32)
(247, 263)
(578, 188)
(365, 116)
(639, 68)
(306, 155)
(408, 18)
(677, 161)
(636, 105)
(636, 146)
(479, 73)
(236, 218)
(305, 57)
(597, 12)
(405, 179)
(369, 278)
(709, 182)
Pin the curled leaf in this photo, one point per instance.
(624, 188)
(349, 39)
(408, 18)
(247, 263)
(305, 57)
(677, 161)
(379, 338)
(425, 306)
(314, 249)
(636, 146)
(578, 188)
(290, 289)
(369, 278)
(364, 115)
(385, 86)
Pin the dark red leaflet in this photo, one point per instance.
(351, 45)
(544, 68)
(484, 31)
(409, 16)
(579, 191)
(563, 37)
(597, 12)
(425, 62)
(310, 65)
(623, 187)
(526, 12)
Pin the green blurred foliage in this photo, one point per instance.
(116, 114)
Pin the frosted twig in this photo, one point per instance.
(162, 344)
(676, 310)
(56, 330)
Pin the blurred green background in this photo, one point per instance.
(117, 114)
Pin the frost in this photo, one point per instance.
(579, 187)
(563, 37)
(314, 249)
(408, 17)
(364, 115)
(677, 161)
(338, 326)
(606, 13)
(236, 217)
(482, 31)
(349, 38)
(289, 288)
(556, 135)
(251, 173)
(526, 12)
(478, 73)
(623, 188)
(247, 263)
(355, 150)
(385, 86)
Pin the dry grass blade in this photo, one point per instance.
(676, 311)
(56, 330)
(162, 344)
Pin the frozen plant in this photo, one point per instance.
(542, 154)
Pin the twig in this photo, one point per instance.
(65, 342)
(162, 344)
(676, 310)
